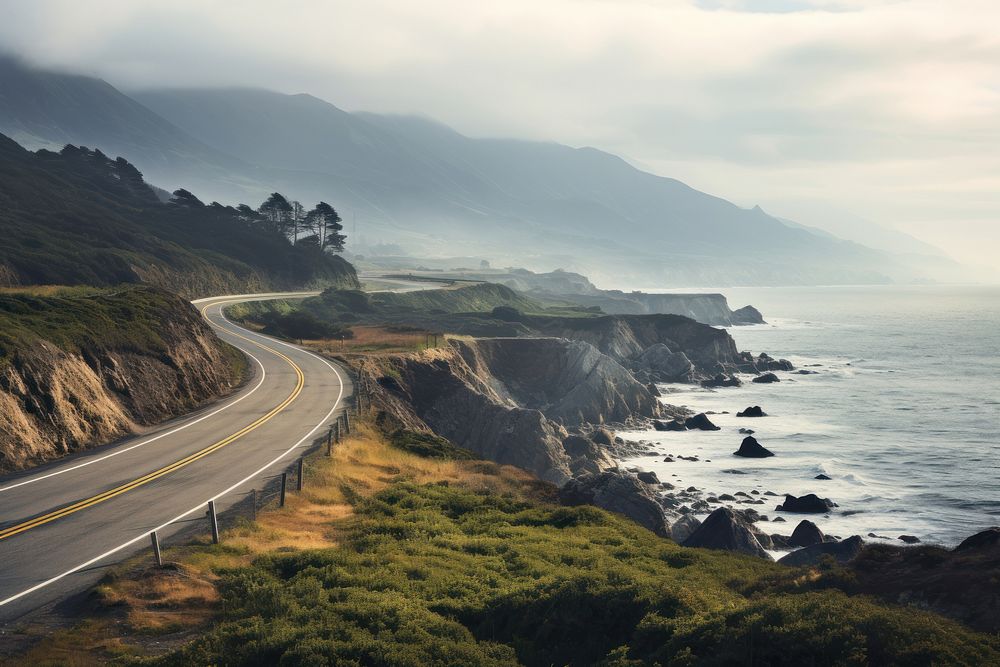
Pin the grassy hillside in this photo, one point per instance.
(79, 217)
(82, 366)
(387, 558)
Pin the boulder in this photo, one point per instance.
(700, 422)
(805, 534)
(752, 449)
(652, 389)
(681, 529)
(983, 540)
(807, 504)
(603, 436)
(909, 539)
(747, 315)
(752, 411)
(673, 425)
(726, 530)
(822, 477)
(586, 456)
(722, 380)
(648, 477)
(765, 362)
(766, 378)
(842, 552)
(747, 431)
(620, 493)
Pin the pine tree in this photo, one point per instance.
(325, 220)
(276, 213)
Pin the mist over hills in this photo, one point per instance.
(433, 191)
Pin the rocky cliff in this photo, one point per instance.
(509, 400)
(80, 368)
(625, 338)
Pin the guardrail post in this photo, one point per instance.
(336, 431)
(329, 442)
(284, 485)
(347, 422)
(253, 503)
(298, 477)
(214, 519)
(156, 549)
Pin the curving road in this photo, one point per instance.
(62, 524)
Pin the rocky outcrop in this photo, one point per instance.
(806, 534)
(570, 381)
(85, 391)
(747, 315)
(807, 504)
(663, 365)
(621, 493)
(766, 378)
(843, 552)
(700, 422)
(752, 411)
(752, 449)
(722, 380)
(626, 337)
(726, 530)
(762, 363)
(510, 400)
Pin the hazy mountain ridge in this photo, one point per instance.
(420, 184)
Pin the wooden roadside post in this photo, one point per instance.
(156, 549)
(329, 442)
(336, 432)
(284, 485)
(298, 477)
(214, 519)
(253, 503)
(347, 421)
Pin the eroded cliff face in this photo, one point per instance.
(509, 400)
(57, 399)
(625, 337)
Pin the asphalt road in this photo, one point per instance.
(63, 524)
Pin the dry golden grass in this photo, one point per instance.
(144, 610)
(380, 339)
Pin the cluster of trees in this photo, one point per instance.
(319, 227)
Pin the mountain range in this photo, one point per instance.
(434, 192)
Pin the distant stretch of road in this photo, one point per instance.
(62, 524)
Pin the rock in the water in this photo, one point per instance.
(909, 539)
(750, 448)
(747, 315)
(747, 431)
(803, 371)
(823, 477)
(843, 552)
(653, 389)
(674, 425)
(766, 378)
(620, 493)
(681, 529)
(807, 504)
(983, 540)
(805, 534)
(721, 380)
(700, 422)
(752, 411)
(648, 477)
(726, 530)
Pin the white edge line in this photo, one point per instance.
(200, 505)
(221, 300)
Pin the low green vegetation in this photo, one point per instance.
(428, 445)
(78, 319)
(449, 574)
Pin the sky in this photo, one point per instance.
(888, 110)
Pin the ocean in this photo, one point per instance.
(903, 412)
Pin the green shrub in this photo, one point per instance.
(446, 575)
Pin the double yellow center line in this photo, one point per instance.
(176, 465)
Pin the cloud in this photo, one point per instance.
(887, 107)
